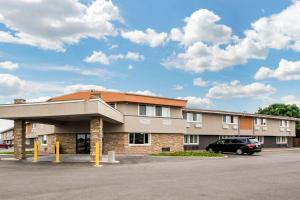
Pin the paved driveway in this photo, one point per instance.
(270, 176)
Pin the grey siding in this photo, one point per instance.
(270, 142)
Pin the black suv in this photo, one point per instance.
(240, 145)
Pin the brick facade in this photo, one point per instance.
(118, 142)
(96, 131)
(50, 146)
(67, 142)
(19, 139)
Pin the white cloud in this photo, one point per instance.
(38, 99)
(203, 52)
(9, 65)
(199, 82)
(287, 70)
(10, 85)
(100, 57)
(202, 26)
(236, 89)
(130, 67)
(113, 46)
(178, 87)
(97, 72)
(143, 92)
(55, 24)
(149, 37)
(290, 99)
(81, 87)
(197, 102)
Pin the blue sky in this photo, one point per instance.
(219, 54)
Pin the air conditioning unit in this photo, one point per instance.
(235, 127)
(188, 125)
(288, 129)
(265, 128)
(257, 128)
(198, 125)
(281, 129)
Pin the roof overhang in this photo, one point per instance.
(64, 111)
(240, 114)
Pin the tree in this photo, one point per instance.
(287, 110)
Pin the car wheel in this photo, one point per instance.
(239, 152)
(211, 150)
(250, 153)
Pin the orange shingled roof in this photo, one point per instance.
(110, 97)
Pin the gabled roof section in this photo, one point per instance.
(114, 97)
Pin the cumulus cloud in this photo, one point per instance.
(287, 70)
(290, 99)
(8, 65)
(202, 49)
(55, 24)
(202, 26)
(197, 102)
(100, 57)
(38, 99)
(81, 87)
(236, 89)
(199, 82)
(10, 85)
(149, 37)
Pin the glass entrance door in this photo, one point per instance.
(83, 143)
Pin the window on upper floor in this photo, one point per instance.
(192, 117)
(285, 123)
(230, 119)
(260, 121)
(113, 105)
(154, 111)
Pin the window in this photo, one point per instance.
(154, 111)
(260, 139)
(284, 123)
(230, 119)
(281, 140)
(193, 117)
(191, 139)
(139, 138)
(113, 105)
(44, 140)
(224, 136)
(260, 121)
(142, 110)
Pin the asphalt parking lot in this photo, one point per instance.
(268, 176)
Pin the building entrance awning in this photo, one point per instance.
(61, 111)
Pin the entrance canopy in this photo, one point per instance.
(61, 111)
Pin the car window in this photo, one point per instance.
(253, 141)
(227, 141)
(220, 142)
(236, 141)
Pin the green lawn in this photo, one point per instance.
(11, 152)
(189, 154)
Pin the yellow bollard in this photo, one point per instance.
(57, 154)
(97, 155)
(35, 152)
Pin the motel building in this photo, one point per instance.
(131, 124)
